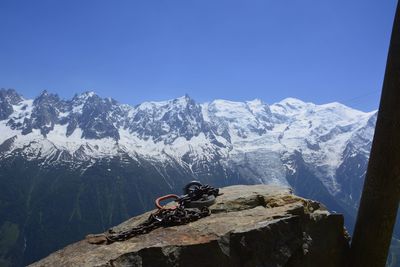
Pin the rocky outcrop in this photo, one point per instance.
(8, 98)
(249, 226)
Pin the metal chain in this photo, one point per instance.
(166, 217)
(198, 194)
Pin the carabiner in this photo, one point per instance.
(159, 206)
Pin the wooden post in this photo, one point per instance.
(381, 194)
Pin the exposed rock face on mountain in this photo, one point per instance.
(8, 98)
(255, 225)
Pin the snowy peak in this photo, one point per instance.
(94, 116)
(177, 103)
(168, 120)
(290, 106)
(294, 102)
(89, 127)
(85, 95)
(88, 100)
(257, 106)
(321, 132)
(238, 119)
(78, 101)
(183, 101)
(293, 106)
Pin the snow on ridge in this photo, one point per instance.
(22, 110)
(320, 131)
(257, 106)
(293, 106)
(85, 95)
(231, 131)
(292, 101)
(158, 104)
(230, 109)
(148, 105)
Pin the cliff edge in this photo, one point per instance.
(255, 225)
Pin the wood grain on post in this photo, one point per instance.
(381, 193)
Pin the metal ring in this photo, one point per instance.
(159, 206)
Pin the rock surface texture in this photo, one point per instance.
(255, 225)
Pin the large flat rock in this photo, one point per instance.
(256, 225)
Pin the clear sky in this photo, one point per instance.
(137, 50)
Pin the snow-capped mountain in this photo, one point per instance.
(103, 161)
(87, 128)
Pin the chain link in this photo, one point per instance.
(166, 217)
(198, 196)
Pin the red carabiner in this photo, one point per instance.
(158, 205)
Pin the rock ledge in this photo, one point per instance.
(255, 225)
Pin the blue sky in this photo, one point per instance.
(315, 50)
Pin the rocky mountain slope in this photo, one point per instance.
(75, 166)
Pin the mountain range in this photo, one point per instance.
(78, 166)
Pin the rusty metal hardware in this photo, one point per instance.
(191, 207)
(159, 206)
(198, 195)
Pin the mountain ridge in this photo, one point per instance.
(88, 126)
